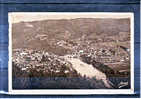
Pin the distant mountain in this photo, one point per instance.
(44, 35)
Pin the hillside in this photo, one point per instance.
(49, 35)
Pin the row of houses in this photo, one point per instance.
(41, 62)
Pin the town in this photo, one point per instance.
(87, 53)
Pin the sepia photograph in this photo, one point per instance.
(71, 51)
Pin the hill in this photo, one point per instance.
(59, 36)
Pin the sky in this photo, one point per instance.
(16, 17)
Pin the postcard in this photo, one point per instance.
(71, 53)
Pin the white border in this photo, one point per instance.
(77, 91)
